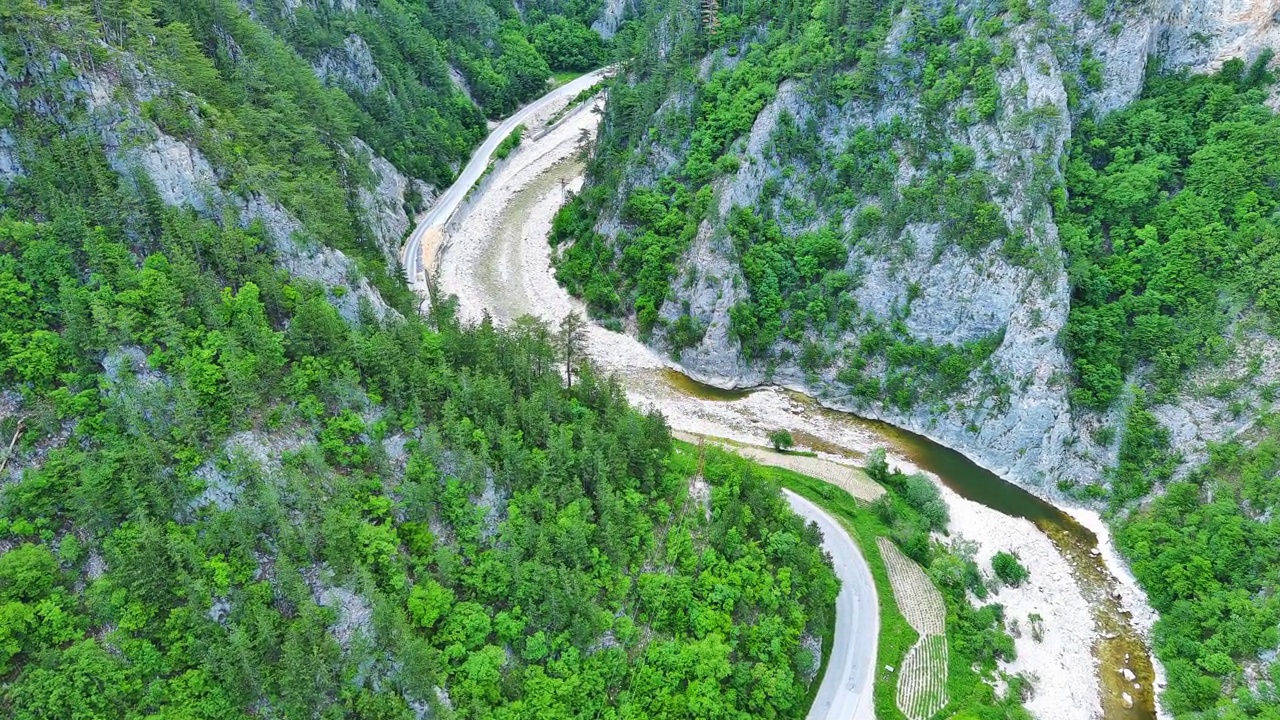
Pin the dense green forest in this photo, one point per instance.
(1207, 550)
(1169, 222)
(228, 500)
(415, 116)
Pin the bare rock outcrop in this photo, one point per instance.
(350, 66)
(384, 202)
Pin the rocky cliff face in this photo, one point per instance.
(1013, 416)
(611, 15)
(183, 176)
(386, 202)
(350, 67)
(113, 98)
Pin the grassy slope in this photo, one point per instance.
(564, 77)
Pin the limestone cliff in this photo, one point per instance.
(350, 66)
(1054, 64)
(183, 176)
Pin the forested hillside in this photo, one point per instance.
(1042, 234)
(1171, 234)
(247, 480)
(425, 75)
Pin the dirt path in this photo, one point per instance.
(843, 475)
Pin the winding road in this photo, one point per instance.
(846, 690)
(412, 256)
(498, 262)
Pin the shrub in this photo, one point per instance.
(782, 440)
(509, 143)
(1010, 571)
(877, 466)
(921, 494)
(884, 509)
(686, 333)
(1037, 626)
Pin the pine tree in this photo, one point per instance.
(572, 343)
(710, 15)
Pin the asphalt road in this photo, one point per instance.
(846, 690)
(445, 205)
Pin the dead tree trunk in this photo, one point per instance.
(17, 433)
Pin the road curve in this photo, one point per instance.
(442, 210)
(846, 690)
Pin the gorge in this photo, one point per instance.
(886, 358)
(497, 263)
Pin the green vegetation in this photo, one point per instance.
(823, 198)
(248, 99)
(801, 274)
(1172, 238)
(925, 498)
(230, 500)
(592, 495)
(914, 371)
(1145, 459)
(781, 440)
(509, 143)
(633, 273)
(1170, 229)
(415, 116)
(1036, 622)
(1008, 569)
(1208, 553)
(976, 637)
(511, 603)
(565, 77)
(664, 223)
(569, 47)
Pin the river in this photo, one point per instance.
(497, 262)
(1119, 644)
